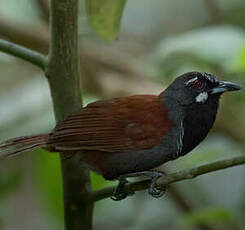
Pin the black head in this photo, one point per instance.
(195, 97)
(196, 87)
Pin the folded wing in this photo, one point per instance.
(117, 125)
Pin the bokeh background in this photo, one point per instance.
(159, 40)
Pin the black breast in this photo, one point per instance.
(198, 121)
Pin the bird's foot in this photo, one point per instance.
(119, 193)
(154, 190)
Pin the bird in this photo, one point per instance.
(130, 136)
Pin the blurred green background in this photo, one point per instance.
(159, 40)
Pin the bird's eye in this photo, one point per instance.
(197, 84)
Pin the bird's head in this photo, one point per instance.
(196, 87)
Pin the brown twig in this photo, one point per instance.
(31, 37)
(26, 54)
(172, 178)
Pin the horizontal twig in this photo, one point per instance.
(32, 37)
(172, 178)
(23, 53)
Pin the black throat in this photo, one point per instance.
(199, 119)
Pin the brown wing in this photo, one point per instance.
(117, 125)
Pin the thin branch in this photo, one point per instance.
(32, 37)
(173, 177)
(103, 73)
(26, 54)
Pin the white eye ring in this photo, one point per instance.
(191, 80)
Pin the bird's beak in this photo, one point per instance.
(224, 86)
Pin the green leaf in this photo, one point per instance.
(105, 17)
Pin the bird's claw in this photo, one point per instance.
(119, 194)
(154, 190)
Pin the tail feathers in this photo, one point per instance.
(19, 145)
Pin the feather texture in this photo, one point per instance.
(18, 145)
(117, 125)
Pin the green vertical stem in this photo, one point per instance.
(63, 74)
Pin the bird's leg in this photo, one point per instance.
(154, 190)
(154, 175)
(119, 194)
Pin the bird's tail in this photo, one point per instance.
(18, 145)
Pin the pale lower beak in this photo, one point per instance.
(224, 86)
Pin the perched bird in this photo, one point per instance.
(129, 136)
